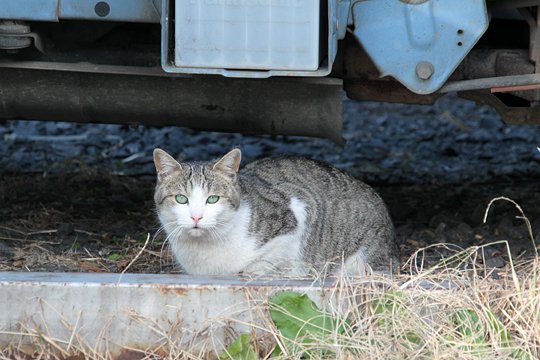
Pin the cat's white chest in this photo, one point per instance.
(229, 250)
(233, 249)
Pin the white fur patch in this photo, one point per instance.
(197, 203)
(230, 249)
(226, 249)
(283, 254)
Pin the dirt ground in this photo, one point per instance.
(89, 221)
(95, 221)
(78, 197)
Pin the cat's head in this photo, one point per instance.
(196, 198)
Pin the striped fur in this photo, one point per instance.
(286, 215)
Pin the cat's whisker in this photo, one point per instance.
(164, 227)
(173, 235)
(161, 229)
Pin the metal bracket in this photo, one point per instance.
(37, 40)
(15, 35)
(419, 42)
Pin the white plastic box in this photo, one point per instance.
(247, 34)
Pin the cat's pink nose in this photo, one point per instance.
(196, 218)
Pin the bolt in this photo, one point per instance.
(424, 70)
(102, 9)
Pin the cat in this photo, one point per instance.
(286, 215)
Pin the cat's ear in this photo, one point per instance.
(230, 163)
(165, 163)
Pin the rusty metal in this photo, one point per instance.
(494, 82)
(501, 89)
(487, 69)
(501, 62)
(111, 314)
(309, 107)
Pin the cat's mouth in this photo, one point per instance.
(196, 231)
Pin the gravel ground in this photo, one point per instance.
(437, 167)
(452, 141)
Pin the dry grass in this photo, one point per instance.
(35, 255)
(457, 309)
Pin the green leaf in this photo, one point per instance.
(472, 332)
(302, 324)
(498, 329)
(240, 349)
(520, 354)
(503, 335)
(478, 335)
(412, 338)
(115, 257)
(390, 303)
(469, 326)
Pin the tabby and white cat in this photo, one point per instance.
(286, 215)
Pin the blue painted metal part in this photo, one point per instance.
(419, 42)
(140, 11)
(343, 10)
(143, 11)
(150, 11)
(38, 10)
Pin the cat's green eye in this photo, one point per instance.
(212, 199)
(181, 199)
